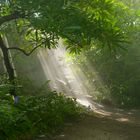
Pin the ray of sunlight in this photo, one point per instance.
(63, 76)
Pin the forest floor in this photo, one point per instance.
(103, 124)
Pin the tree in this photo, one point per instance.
(120, 72)
(42, 22)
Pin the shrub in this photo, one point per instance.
(50, 111)
(36, 115)
(13, 122)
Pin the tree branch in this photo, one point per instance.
(13, 16)
(23, 51)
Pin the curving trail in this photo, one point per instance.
(104, 123)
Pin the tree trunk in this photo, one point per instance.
(8, 66)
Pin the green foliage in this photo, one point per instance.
(30, 24)
(5, 86)
(42, 114)
(119, 74)
(118, 71)
(80, 23)
(50, 111)
(13, 122)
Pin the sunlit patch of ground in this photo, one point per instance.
(120, 115)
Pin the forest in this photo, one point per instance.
(69, 69)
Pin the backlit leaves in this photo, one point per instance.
(79, 22)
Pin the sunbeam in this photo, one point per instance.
(62, 76)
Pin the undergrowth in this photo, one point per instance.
(34, 115)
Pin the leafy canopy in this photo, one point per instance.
(80, 22)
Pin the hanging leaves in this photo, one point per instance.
(79, 22)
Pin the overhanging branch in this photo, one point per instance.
(10, 17)
(23, 51)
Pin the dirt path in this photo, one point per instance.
(103, 125)
(99, 127)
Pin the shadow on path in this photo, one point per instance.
(103, 123)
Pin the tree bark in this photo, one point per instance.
(8, 66)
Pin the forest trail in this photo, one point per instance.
(104, 124)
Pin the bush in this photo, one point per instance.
(42, 114)
(50, 111)
(13, 122)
